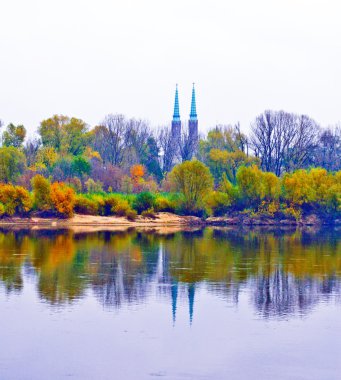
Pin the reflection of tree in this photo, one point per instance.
(12, 257)
(125, 264)
(285, 272)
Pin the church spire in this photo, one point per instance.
(176, 115)
(193, 114)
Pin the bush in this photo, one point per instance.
(63, 199)
(131, 215)
(150, 213)
(144, 201)
(86, 206)
(2, 209)
(15, 199)
(121, 208)
(164, 204)
(41, 192)
(217, 203)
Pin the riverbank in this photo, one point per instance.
(164, 219)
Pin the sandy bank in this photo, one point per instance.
(161, 219)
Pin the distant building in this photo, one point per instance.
(192, 135)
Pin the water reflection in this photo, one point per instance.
(284, 273)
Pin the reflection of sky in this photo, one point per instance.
(139, 341)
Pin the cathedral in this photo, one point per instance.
(192, 136)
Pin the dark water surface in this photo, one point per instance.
(211, 304)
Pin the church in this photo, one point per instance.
(192, 135)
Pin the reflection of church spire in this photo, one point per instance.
(174, 299)
(191, 291)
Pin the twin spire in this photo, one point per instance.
(193, 114)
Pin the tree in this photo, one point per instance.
(108, 139)
(193, 179)
(327, 153)
(151, 158)
(64, 134)
(31, 149)
(14, 135)
(63, 199)
(12, 164)
(167, 147)
(41, 192)
(80, 166)
(283, 141)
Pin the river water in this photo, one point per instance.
(202, 304)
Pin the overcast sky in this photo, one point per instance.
(88, 58)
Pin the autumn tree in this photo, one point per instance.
(63, 199)
(136, 173)
(41, 192)
(193, 179)
(64, 134)
(14, 135)
(12, 163)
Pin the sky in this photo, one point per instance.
(87, 58)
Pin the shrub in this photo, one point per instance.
(165, 204)
(84, 205)
(41, 192)
(63, 199)
(144, 201)
(15, 199)
(131, 215)
(2, 209)
(150, 213)
(121, 207)
(217, 203)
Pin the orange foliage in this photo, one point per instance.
(63, 198)
(137, 172)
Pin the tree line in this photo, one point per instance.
(121, 155)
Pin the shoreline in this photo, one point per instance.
(163, 219)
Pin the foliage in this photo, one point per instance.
(85, 205)
(144, 201)
(14, 135)
(217, 203)
(80, 166)
(15, 199)
(193, 179)
(149, 213)
(93, 187)
(12, 164)
(41, 192)
(64, 134)
(63, 199)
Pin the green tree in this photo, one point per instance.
(64, 134)
(41, 192)
(194, 180)
(80, 166)
(14, 135)
(12, 163)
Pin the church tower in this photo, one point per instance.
(193, 124)
(176, 122)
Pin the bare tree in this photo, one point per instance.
(167, 147)
(109, 139)
(137, 133)
(328, 151)
(31, 149)
(283, 141)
